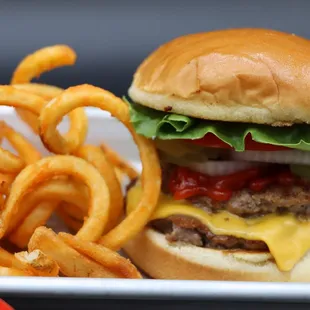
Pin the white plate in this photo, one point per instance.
(107, 129)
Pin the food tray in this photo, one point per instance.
(105, 128)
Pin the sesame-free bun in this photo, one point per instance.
(238, 75)
(151, 252)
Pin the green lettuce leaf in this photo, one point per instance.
(167, 126)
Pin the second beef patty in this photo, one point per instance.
(191, 231)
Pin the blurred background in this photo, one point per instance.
(112, 37)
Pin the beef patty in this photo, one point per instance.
(191, 231)
(246, 203)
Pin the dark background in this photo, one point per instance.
(112, 37)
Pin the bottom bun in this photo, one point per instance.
(151, 252)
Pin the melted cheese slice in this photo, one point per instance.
(287, 238)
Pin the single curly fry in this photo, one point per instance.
(73, 224)
(47, 92)
(53, 191)
(17, 98)
(24, 148)
(78, 120)
(73, 211)
(119, 162)
(38, 217)
(10, 163)
(6, 181)
(86, 95)
(9, 96)
(49, 167)
(94, 155)
(42, 60)
(2, 201)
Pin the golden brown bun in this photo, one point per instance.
(242, 75)
(156, 257)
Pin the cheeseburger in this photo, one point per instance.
(229, 112)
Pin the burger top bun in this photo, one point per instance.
(238, 75)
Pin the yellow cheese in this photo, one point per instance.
(287, 238)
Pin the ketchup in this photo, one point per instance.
(185, 183)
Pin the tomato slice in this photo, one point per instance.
(210, 140)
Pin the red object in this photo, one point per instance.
(238, 180)
(4, 305)
(213, 193)
(185, 183)
(287, 178)
(210, 140)
(260, 184)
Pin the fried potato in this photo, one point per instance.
(17, 98)
(44, 169)
(48, 92)
(7, 259)
(2, 201)
(70, 261)
(12, 272)
(6, 181)
(10, 163)
(82, 184)
(37, 263)
(55, 190)
(106, 257)
(119, 162)
(22, 101)
(24, 148)
(38, 217)
(94, 155)
(73, 211)
(72, 223)
(41, 61)
(86, 95)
